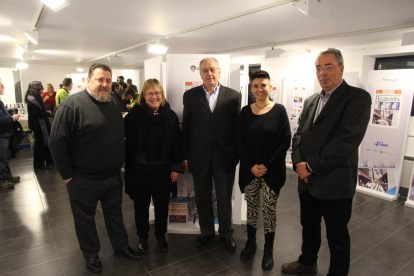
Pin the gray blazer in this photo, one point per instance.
(202, 129)
(330, 144)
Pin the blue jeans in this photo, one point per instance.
(5, 158)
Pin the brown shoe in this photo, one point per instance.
(296, 268)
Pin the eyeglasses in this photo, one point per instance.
(156, 93)
(327, 68)
(212, 70)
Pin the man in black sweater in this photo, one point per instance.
(87, 145)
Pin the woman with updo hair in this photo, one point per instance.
(39, 123)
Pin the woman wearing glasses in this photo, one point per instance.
(153, 160)
(263, 137)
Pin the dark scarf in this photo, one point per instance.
(156, 132)
(44, 123)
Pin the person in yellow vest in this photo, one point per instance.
(63, 93)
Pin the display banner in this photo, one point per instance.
(275, 94)
(410, 197)
(183, 73)
(80, 82)
(299, 88)
(382, 150)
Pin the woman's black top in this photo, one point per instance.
(263, 139)
(153, 144)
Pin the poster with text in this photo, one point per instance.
(384, 143)
(79, 83)
(299, 88)
(275, 93)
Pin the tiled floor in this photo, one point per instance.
(37, 236)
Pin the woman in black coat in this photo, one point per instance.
(153, 160)
(40, 125)
(263, 138)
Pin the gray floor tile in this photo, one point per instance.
(368, 266)
(24, 243)
(202, 264)
(50, 268)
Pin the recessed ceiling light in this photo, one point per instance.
(156, 49)
(22, 65)
(56, 5)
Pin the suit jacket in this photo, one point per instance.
(202, 129)
(330, 144)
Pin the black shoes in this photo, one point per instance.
(5, 184)
(251, 245)
(267, 262)
(162, 245)
(130, 254)
(203, 239)
(94, 264)
(14, 179)
(142, 246)
(229, 243)
(44, 168)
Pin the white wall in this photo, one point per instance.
(6, 76)
(46, 74)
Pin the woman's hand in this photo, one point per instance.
(46, 98)
(174, 176)
(128, 106)
(258, 170)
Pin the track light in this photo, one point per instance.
(156, 48)
(33, 36)
(274, 53)
(27, 56)
(313, 8)
(56, 5)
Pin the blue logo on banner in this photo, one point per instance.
(381, 144)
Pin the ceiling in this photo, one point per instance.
(90, 30)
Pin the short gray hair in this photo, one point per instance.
(338, 55)
(204, 59)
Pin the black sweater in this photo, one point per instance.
(87, 138)
(263, 139)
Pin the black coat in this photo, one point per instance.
(330, 144)
(203, 128)
(133, 131)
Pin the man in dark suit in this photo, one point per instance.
(325, 157)
(209, 124)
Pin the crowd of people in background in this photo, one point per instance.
(90, 141)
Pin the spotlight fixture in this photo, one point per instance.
(115, 60)
(155, 48)
(274, 53)
(407, 39)
(27, 56)
(313, 8)
(80, 69)
(15, 69)
(26, 48)
(33, 36)
(56, 5)
(22, 65)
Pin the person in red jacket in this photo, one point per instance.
(49, 97)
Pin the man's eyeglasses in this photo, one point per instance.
(156, 93)
(327, 68)
(212, 70)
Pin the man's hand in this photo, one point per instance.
(306, 180)
(49, 111)
(128, 106)
(301, 170)
(185, 164)
(174, 176)
(16, 117)
(67, 180)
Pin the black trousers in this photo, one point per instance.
(84, 195)
(41, 152)
(336, 214)
(203, 186)
(157, 186)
